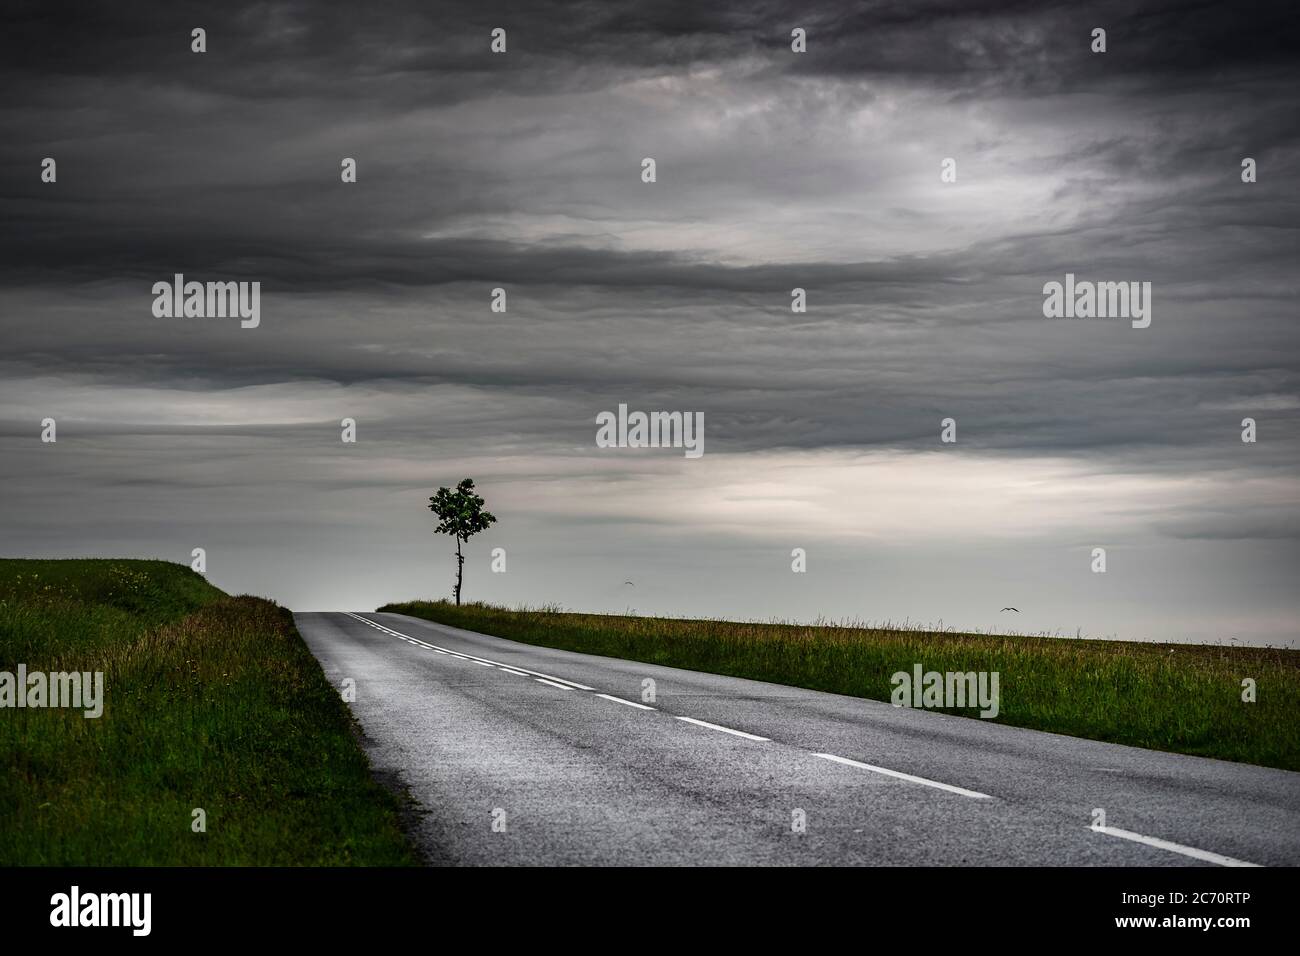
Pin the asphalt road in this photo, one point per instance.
(535, 756)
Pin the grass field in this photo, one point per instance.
(211, 702)
(1182, 698)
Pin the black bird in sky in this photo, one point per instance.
(1016, 609)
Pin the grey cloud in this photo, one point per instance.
(776, 171)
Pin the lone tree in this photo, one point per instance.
(460, 513)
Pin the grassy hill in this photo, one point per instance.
(211, 702)
(1176, 697)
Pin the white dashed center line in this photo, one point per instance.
(1191, 851)
(906, 776)
(556, 681)
(561, 684)
(630, 703)
(543, 680)
(725, 730)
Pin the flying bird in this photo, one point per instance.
(629, 582)
(1016, 609)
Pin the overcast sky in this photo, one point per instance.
(775, 170)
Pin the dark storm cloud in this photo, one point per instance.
(287, 47)
(776, 170)
(151, 140)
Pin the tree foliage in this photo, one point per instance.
(461, 515)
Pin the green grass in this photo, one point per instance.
(211, 702)
(1182, 698)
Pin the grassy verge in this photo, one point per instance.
(1182, 698)
(210, 702)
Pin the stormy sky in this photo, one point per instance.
(775, 170)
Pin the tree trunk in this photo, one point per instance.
(460, 569)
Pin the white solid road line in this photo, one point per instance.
(630, 703)
(906, 776)
(725, 730)
(1191, 851)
